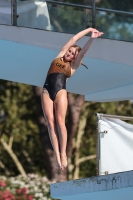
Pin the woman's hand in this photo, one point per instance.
(96, 33)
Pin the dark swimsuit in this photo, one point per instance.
(58, 72)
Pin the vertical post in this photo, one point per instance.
(97, 145)
(84, 19)
(14, 12)
(93, 13)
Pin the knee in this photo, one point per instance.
(60, 122)
(50, 124)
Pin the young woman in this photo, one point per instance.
(54, 96)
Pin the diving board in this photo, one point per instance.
(27, 53)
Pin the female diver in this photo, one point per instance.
(54, 96)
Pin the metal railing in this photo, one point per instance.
(99, 115)
(93, 8)
(69, 4)
(94, 18)
(14, 12)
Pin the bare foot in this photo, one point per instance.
(59, 165)
(63, 158)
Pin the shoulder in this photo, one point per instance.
(61, 54)
(56, 59)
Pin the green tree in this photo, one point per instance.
(19, 131)
(23, 129)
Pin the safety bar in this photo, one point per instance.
(14, 12)
(99, 115)
(91, 7)
(69, 4)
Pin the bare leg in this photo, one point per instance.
(60, 105)
(48, 109)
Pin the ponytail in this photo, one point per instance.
(84, 65)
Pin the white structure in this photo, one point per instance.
(114, 157)
(114, 144)
(33, 14)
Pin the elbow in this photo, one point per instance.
(83, 54)
(74, 39)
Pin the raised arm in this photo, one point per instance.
(78, 60)
(73, 40)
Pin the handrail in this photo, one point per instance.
(90, 7)
(113, 116)
(69, 4)
(93, 14)
(14, 12)
(115, 11)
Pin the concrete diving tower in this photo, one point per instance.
(118, 186)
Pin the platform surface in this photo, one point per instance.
(117, 186)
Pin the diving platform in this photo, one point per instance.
(117, 186)
(26, 55)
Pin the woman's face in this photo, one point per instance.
(71, 54)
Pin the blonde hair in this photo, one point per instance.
(78, 48)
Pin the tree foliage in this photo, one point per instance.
(20, 129)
